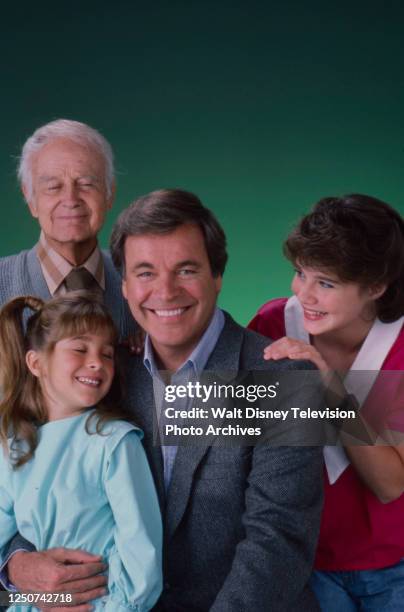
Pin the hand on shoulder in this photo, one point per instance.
(295, 349)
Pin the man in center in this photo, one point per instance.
(241, 523)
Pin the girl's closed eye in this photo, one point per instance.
(79, 349)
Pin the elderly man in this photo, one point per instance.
(66, 173)
(241, 522)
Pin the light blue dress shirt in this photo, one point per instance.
(91, 492)
(191, 369)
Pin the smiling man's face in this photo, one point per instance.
(69, 196)
(171, 290)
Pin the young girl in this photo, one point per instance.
(347, 315)
(73, 472)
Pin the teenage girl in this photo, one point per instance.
(347, 314)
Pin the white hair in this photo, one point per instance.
(79, 132)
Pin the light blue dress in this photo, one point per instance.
(91, 492)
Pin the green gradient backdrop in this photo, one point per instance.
(260, 108)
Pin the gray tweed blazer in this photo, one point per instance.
(241, 524)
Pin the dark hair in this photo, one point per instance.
(163, 211)
(22, 408)
(361, 240)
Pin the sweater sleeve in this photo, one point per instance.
(135, 563)
(8, 525)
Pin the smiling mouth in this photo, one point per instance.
(90, 382)
(169, 312)
(313, 314)
(72, 217)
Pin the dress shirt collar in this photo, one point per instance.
(201, 353)
(55, 268)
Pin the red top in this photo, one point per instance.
(357, 530)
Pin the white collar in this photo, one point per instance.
(370, 358)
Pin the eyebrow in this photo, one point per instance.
(92, 177)
(189, 262)
(80, 337)
(327, 278)
(319, 276)
(180, 264)
(45, 178)
(87, 338)
(142, 264)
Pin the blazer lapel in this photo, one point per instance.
(141, 400)
(224, 361)
(186, 462)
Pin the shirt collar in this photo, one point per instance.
(201, 353)
(55, 268)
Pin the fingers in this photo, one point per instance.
(84, 585)
(275, 354)
(291, 348)
(282, 348)
(69, 555)
(310, 354)
(80, 600)
(71, 573)
(84, 598)
(59, 570)
(299, 354)
(135, 342)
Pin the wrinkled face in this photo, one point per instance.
(69, 196)
(171, 290)
(329, 304)
(76, 375)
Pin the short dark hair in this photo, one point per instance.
(361, 240)
(163, 211)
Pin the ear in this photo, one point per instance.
(124, 289)
(111, 198)
(376, 291)
(33, 361)
(218, 283)
(30, 201)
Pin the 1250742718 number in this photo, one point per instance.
(39, 598)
